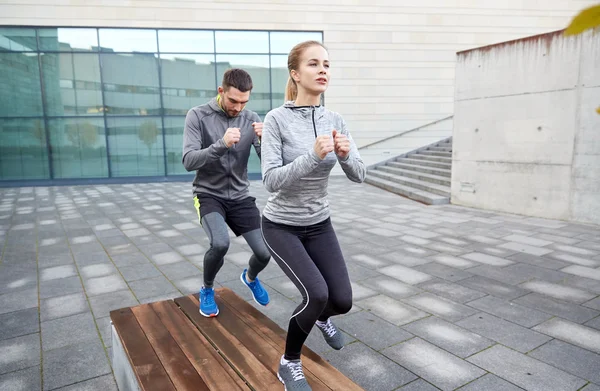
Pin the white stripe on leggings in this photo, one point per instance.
(288, 266)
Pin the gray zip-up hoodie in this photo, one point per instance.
(292, 170)
(220, 171)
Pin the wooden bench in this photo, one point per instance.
(168, 345)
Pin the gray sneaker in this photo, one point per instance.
(292, 376)
(332, 335)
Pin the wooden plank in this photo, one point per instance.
(270, 330)
(149, 371)
(252, 370)
(261, 348)
(180, 370)
(214, 370)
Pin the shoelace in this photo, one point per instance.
(296, 369)
(329, 328)
(210, 299)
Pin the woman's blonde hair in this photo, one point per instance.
(291, 89)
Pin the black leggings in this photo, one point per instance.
(312, 259)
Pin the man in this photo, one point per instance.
(216, 144)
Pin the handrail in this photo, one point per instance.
(403, 133)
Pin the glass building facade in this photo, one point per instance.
(81, 104)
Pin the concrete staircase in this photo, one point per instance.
(422, 175)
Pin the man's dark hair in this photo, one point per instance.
(237, 78)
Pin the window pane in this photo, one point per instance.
(131, 84)
(20, 85)
(78, 148)
(283, 42)
(279, 78)
(67, 40)
(187, 82)
(174, 143)
(127, 40)
(136, 146)
(17, 40)
(72, 84)
(242, 41)
(23, 150)
(258, 68)
(185, 41)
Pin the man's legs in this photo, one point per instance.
(260, 257)
(216, 229)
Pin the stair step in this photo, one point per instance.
(414, 183)
(440, 149)
(421, 168)
(436, 153)
(438, 180)
(423, 163)
(412, 193)
(431, 158)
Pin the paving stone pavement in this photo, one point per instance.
(445, 297)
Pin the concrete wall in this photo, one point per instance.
(393, 62)
(526, 134)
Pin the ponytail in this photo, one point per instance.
(291, 90)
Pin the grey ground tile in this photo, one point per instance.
(514, 336)
(512, 312)
(433, 364)
(448, 336)
(139, 272)
(193, 284)
(67, 331)
(18, 300)
(103, 304)
(444, 272)
(576, 334)
(391, 310)
(86, 259)
(75, 363)
(452, 291)
(18, 323)
(594, 303)
(368, 368)
(582, 271)
(418, 385)
(487, 259)
(359, 273)
(525, 371)
(571, 359)
(29, 379)
(490, 382)
(103, 383)
(179, 270)
(101, 285)
(63, 306)
(452, 261)
(591, 387)
(129, 260)
(527, 249)
(569, 311)
(533, 272)
(404, 258)
(558, 291)
(150, 287)
(104, 326)
(494, 288)
(60, 287)
(574, 259)
(56, 272)
(19, 353)
(439, 306)
(405, 274)
(372, 330)
(594, 323)
(587, 284)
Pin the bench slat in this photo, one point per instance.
(147, 367)
(213, 369)
(264, 326)
(183, 375)
(253, 371)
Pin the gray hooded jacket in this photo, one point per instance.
(291, 169)
(220, 171)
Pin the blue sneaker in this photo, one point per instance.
(208, 306)
(258, 292)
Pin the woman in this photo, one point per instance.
(301, 143)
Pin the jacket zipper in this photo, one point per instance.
(229, 161)
(313, 121)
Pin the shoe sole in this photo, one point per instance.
(253, 298)
(281, 380)
(209, 316)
